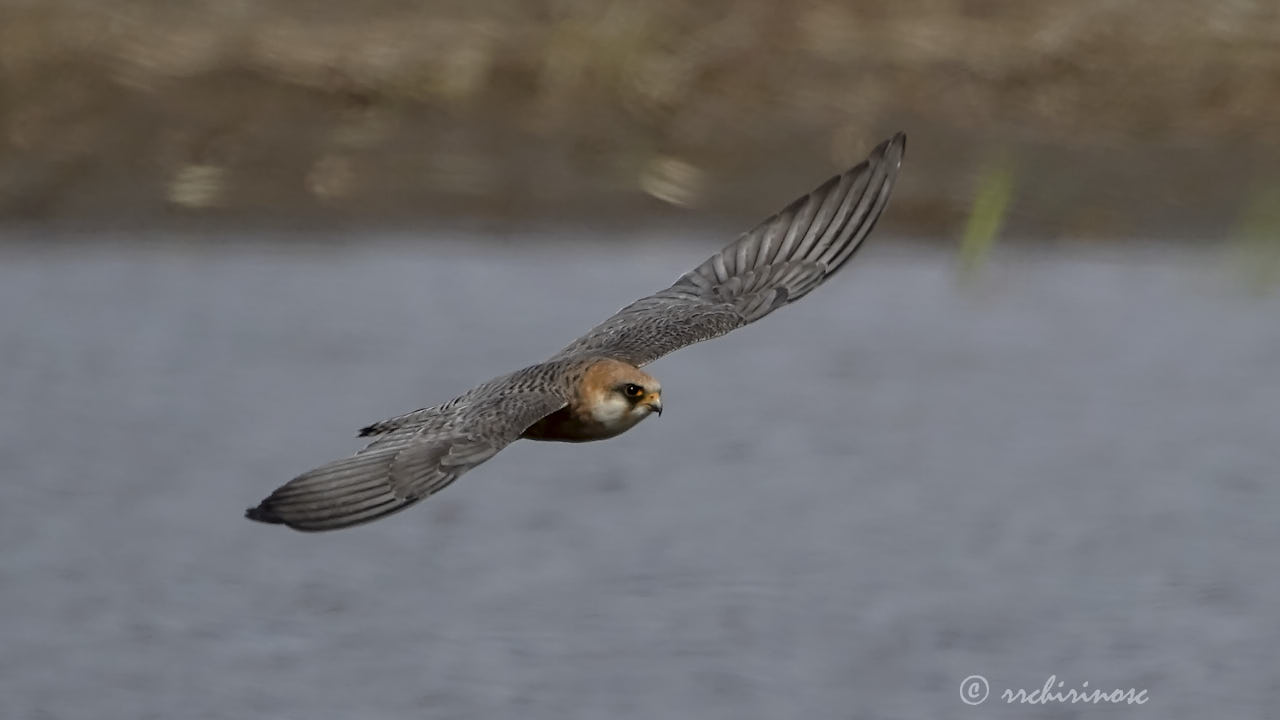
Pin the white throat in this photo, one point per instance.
(615, 413)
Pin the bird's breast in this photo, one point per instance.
(567, 425)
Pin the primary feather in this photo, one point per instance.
(776, 263)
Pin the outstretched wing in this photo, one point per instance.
(417, 455)
(777, 263)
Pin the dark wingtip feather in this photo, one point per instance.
(368, 430)
(264, 514)
(896, 144)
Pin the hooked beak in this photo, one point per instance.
(654, 403)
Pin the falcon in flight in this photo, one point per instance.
(594, 389)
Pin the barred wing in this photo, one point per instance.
(776, 263)
(415, 456)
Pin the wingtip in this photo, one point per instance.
(263, 514)
(895, 146)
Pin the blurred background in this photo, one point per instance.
(1030, 431)
(1109, 118)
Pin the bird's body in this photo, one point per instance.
(594, 389)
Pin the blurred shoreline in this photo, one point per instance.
(1106, 121)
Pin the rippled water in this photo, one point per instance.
(848, 508)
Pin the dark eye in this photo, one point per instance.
(632, 391)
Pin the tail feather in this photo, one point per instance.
(383, 427)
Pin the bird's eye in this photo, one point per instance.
(632, 391)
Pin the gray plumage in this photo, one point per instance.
(417, 454)
(776, 263)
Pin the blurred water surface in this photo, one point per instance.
(1067, 468)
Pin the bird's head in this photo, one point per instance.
(619, 395)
